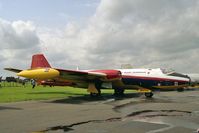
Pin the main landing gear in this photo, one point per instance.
(149, 94)
(180, 89)
(94, 89)
(93, 94)
(118, 92)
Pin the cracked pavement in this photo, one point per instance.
(167, 112)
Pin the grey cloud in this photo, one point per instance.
(17, 35)
(19, 40)
(145, 33)
(2, 58)
(155, 33)
(141, 10)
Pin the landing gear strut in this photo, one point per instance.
(149, 94)
(97, 86)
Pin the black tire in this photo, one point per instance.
(118, 92)
(180, 89)
(95, 94)
(148, 94)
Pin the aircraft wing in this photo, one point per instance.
(70, 75)
(86, 75)
(13, 70)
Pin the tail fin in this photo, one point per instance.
(39, 61)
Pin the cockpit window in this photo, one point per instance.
(178, 75)
(167, 71)
(171, 72)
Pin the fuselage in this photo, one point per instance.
(135, 78)
(153, 78)
(156, 79)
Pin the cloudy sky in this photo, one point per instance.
(95, 34)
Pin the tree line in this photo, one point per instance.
(13, 79)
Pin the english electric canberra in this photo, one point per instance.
(143, 80)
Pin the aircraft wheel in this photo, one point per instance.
(95, 94)
(180, 89)
(119, 92)
(149, 94)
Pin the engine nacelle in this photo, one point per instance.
(111, 74)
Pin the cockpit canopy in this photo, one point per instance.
(171, 72)
(167, 71)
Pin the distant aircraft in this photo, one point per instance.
(143, 80)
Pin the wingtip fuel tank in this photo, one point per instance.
(41, 73)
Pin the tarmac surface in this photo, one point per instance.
(166, 112)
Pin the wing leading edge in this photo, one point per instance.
(103, 75)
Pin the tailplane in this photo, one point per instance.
(39, 61)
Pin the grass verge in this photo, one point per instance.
(20, 93)
(14, 94)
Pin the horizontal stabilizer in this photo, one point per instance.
(13, 70)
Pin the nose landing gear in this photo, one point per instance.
(149, 94)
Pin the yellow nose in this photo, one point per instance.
(41, 73)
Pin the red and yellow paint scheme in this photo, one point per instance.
(143, 80)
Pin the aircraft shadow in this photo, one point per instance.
(87, 98)
(9, 108)
(53, 93)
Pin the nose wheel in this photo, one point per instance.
(148, 94)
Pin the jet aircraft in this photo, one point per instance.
(143, 80)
